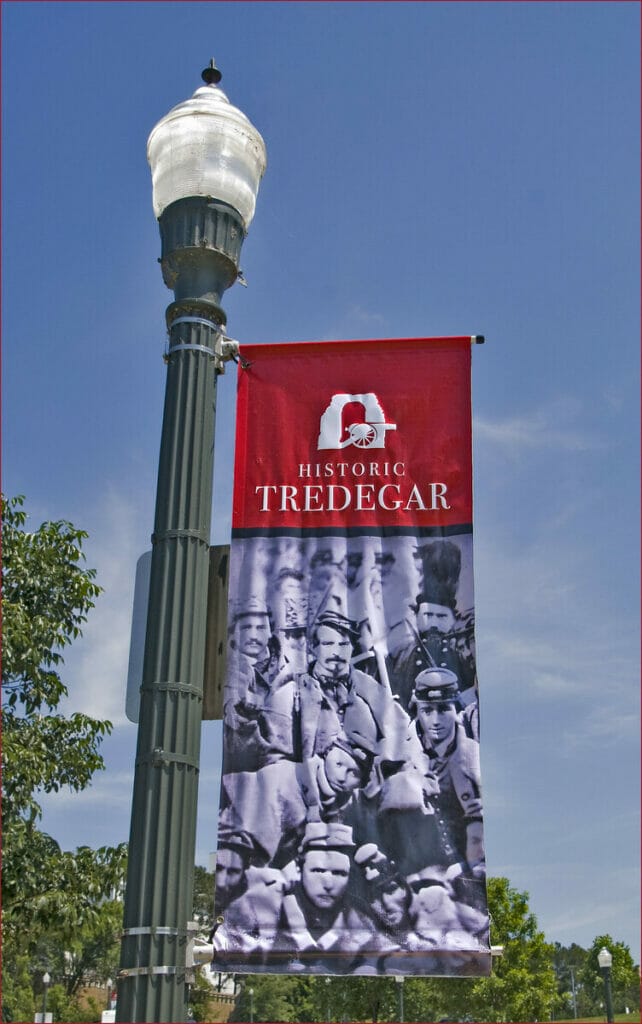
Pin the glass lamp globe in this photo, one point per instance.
(205, 146)
(604, 958)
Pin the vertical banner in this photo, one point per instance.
(350, 833)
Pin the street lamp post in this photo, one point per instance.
(207, 160)
(328, 1015)
(605, 960)
(46, 980)
(251, 995)
(399, 979)
(574, 993)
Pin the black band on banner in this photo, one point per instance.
(239, 533)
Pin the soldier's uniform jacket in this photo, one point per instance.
(348, 932)
(270, 918)
(274, 803)
(414, 657)
(302, 717)
(245, 694)
(459, 799)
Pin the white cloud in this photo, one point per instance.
(365, 316)
(606, 725)
(547, 636)
(110, 790)
(593, 915)
(552, 426)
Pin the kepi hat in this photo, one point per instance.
(321, 835)
(436, 685)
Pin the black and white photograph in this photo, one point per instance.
(351, 820)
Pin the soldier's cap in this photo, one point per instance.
(381, 873)
(441, 598)
(361, 757)
(253, 606)
(427, 877)
(243, 843)
(370, 856)
(321, 835)
(436, 685)
(339, 622)
(293, 630)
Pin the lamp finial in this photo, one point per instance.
(211, 74)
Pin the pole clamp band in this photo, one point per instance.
(195, 348)
(159, 757)
(196, 320)
(179, 534)
(223, 350)
(163, 687)
(134, 972)
(154, 930)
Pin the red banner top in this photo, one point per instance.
(354, 434)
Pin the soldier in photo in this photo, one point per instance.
(439, 921)
(434, 643)
(304, 915)
(386, 893)
(452, 760)
(237, 849)
(318, 919)
(248, 686)
(274, 804)
(301, 717)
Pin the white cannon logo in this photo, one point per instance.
(370, 432)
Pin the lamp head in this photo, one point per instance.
(604, 958)
(205, 146)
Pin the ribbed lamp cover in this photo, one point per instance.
(205, 146)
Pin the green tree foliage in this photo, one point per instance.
(269, 997)
(522, 985)
(625, 976)
(17, 992)
(568, 964)
(203, 900)
(47, 594)
(88, 955)
(71, 1009)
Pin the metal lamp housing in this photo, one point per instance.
(207, 160)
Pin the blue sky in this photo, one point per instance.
(433, 169)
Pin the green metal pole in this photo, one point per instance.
(609, 995)
(201, 242)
